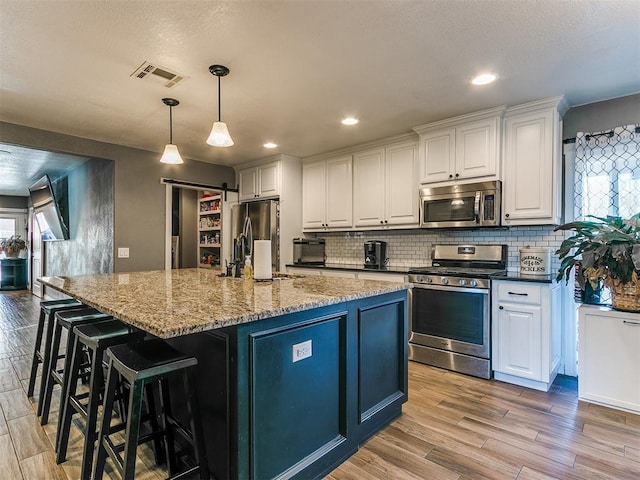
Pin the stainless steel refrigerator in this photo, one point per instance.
(256, 221)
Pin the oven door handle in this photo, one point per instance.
(484, 291)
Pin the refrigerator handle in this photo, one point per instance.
(248, 233)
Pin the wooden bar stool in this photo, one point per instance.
(48, 308)
(142, 364)
(66, 320)
(96, 337)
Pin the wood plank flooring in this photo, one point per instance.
(453, 427)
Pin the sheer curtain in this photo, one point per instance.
(607, 173)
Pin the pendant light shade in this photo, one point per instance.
(171, 154)
(219, 136)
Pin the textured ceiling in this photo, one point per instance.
(21, 167)
(297, 67)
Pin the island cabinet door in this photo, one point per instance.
(382, 363)
(298, 395)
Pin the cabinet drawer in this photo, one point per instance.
(519, 292)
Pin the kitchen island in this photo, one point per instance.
(294, 374)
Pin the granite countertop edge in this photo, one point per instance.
(165, 332)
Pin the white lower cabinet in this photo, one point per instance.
(526, 333)
(609, 357)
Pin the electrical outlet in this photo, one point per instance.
(123, 252)
(301, 351)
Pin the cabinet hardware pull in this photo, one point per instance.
(519, 294)
(506, 215)
(457, 175)
(501, 307)
(633, 324)
(450, 176)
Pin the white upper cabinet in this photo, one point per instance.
(368, 188)
(401, 186)
(477, 149)
(532, 187)
(314, 195)
(437, 156)
(461, 148)
(262, 181)
(385, 187)
(327, 194)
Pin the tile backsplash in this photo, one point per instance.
(412, 248)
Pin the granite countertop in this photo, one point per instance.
(353, 266)
(170, 303)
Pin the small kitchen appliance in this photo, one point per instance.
(375, 253)
(309, 251)
(450, 315)
(465, 205)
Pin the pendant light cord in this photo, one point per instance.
(171, 125)
(219, 98)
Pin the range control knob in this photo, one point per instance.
(473, 283)
(429, 280)
(462, 281)
(445, 280)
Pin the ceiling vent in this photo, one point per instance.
(147, 70)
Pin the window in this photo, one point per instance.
(607, 178)
(7, 226)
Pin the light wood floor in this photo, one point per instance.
(453, 427)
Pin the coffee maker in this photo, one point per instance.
(375, 253)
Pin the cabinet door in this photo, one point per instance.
(298, 395)
(528, 183)
(314, 195)
(518, 349)
(476, 149)
(339, 192)
(437, 152)
(609, 355)
(368, 188)
(269, 180)
(248, 181)
(401, 188)
(382, 375)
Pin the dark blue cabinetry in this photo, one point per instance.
(294, 396)
(13, 273)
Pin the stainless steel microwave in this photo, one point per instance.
(466, 205)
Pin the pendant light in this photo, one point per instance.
(171, 153)
(219, 136)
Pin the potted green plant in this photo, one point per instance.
(608, 249)
(12, 246)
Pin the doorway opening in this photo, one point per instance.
(184, 247)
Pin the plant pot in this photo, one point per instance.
(626, 297)
(11, 253)
(590, 295)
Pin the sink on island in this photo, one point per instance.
(294, 374)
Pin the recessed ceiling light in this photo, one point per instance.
(270, 145)
(350, 121)
(484, 79)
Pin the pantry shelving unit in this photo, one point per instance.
(209, 229)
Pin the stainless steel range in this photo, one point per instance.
(450, 319)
